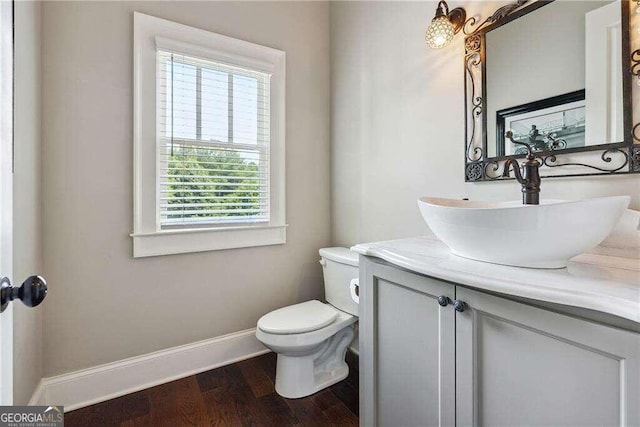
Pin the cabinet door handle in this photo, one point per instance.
(459, 306)
(443, 300)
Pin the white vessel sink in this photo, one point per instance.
(510, 233)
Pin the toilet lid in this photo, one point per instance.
(294, 319)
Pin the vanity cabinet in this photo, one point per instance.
(491, 361)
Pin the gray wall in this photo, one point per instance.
(397, 124)
(27, 363)
(104, 305)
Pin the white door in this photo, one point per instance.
(34, 289)
(603, 74)
(6, 194)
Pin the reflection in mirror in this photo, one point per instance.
(554, 78)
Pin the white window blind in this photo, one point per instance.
(213, 143)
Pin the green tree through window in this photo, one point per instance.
(203, 182)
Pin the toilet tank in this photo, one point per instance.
(339, 266)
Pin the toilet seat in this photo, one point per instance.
(305, 340)
(300, 318)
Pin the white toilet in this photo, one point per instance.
(311, 338)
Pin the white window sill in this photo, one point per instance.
(181, 241)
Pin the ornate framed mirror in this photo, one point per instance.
(563, 76)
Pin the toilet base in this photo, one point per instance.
(300, 376)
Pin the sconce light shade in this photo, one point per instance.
(440, 32)
(444, 25)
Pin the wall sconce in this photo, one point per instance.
(444, 25)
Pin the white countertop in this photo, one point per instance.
(608, 284)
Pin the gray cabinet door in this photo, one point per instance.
(518, 365)
(406, 349)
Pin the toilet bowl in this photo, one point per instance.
(311, 338)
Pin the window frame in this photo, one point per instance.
(149, 239)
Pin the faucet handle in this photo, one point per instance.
(506, 169)
(509, 135)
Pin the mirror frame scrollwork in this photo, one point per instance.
(604, 159)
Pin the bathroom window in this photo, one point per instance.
(213, 143)
(208, 143)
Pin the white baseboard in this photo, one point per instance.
(37, 397)
(88, 386)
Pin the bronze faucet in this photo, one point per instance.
(530, 178)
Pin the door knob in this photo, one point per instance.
(443, 300)
(459, 306)
(31, 293)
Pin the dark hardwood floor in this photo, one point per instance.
(239, 394)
